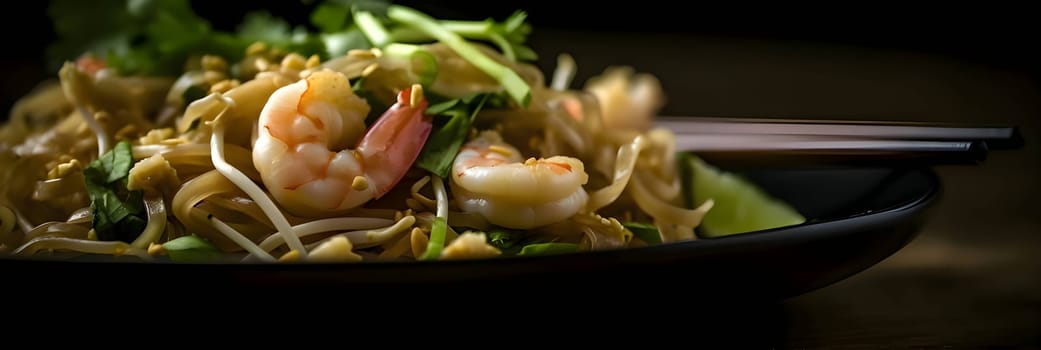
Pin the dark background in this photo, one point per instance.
(972, 278)
(996, 35)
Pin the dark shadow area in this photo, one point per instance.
(676, 34)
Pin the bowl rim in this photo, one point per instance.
(808, 231)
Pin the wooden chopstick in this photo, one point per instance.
(735, 150)
(788, 142)
(995, 137)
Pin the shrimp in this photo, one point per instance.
(305, 129)
(489, 177)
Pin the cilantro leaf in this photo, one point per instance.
(512, 243)
(118, 213)
(116, 163)
(504, 240)
(156, 37)
(78, 29)
(645, 232)
(444, 143)
(134, 36)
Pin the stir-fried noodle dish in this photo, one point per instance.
(417, 139)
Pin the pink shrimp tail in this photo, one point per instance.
(393, 143)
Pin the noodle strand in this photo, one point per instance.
(326, 225)
(156, 222)
(251, 189)
(237, 237)
(80, 246)
(623, 170)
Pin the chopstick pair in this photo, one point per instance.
(786, 142)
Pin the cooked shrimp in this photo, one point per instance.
(490, 177)
(305, 130)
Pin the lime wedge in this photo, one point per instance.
(740, 206)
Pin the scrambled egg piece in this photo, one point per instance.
(154, 173)
(470, 245)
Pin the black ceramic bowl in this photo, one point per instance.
(856, 218)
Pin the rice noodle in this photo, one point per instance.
(626, 161)
(80, 246)
(328, 225)
(666, 212)
(156, 222)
